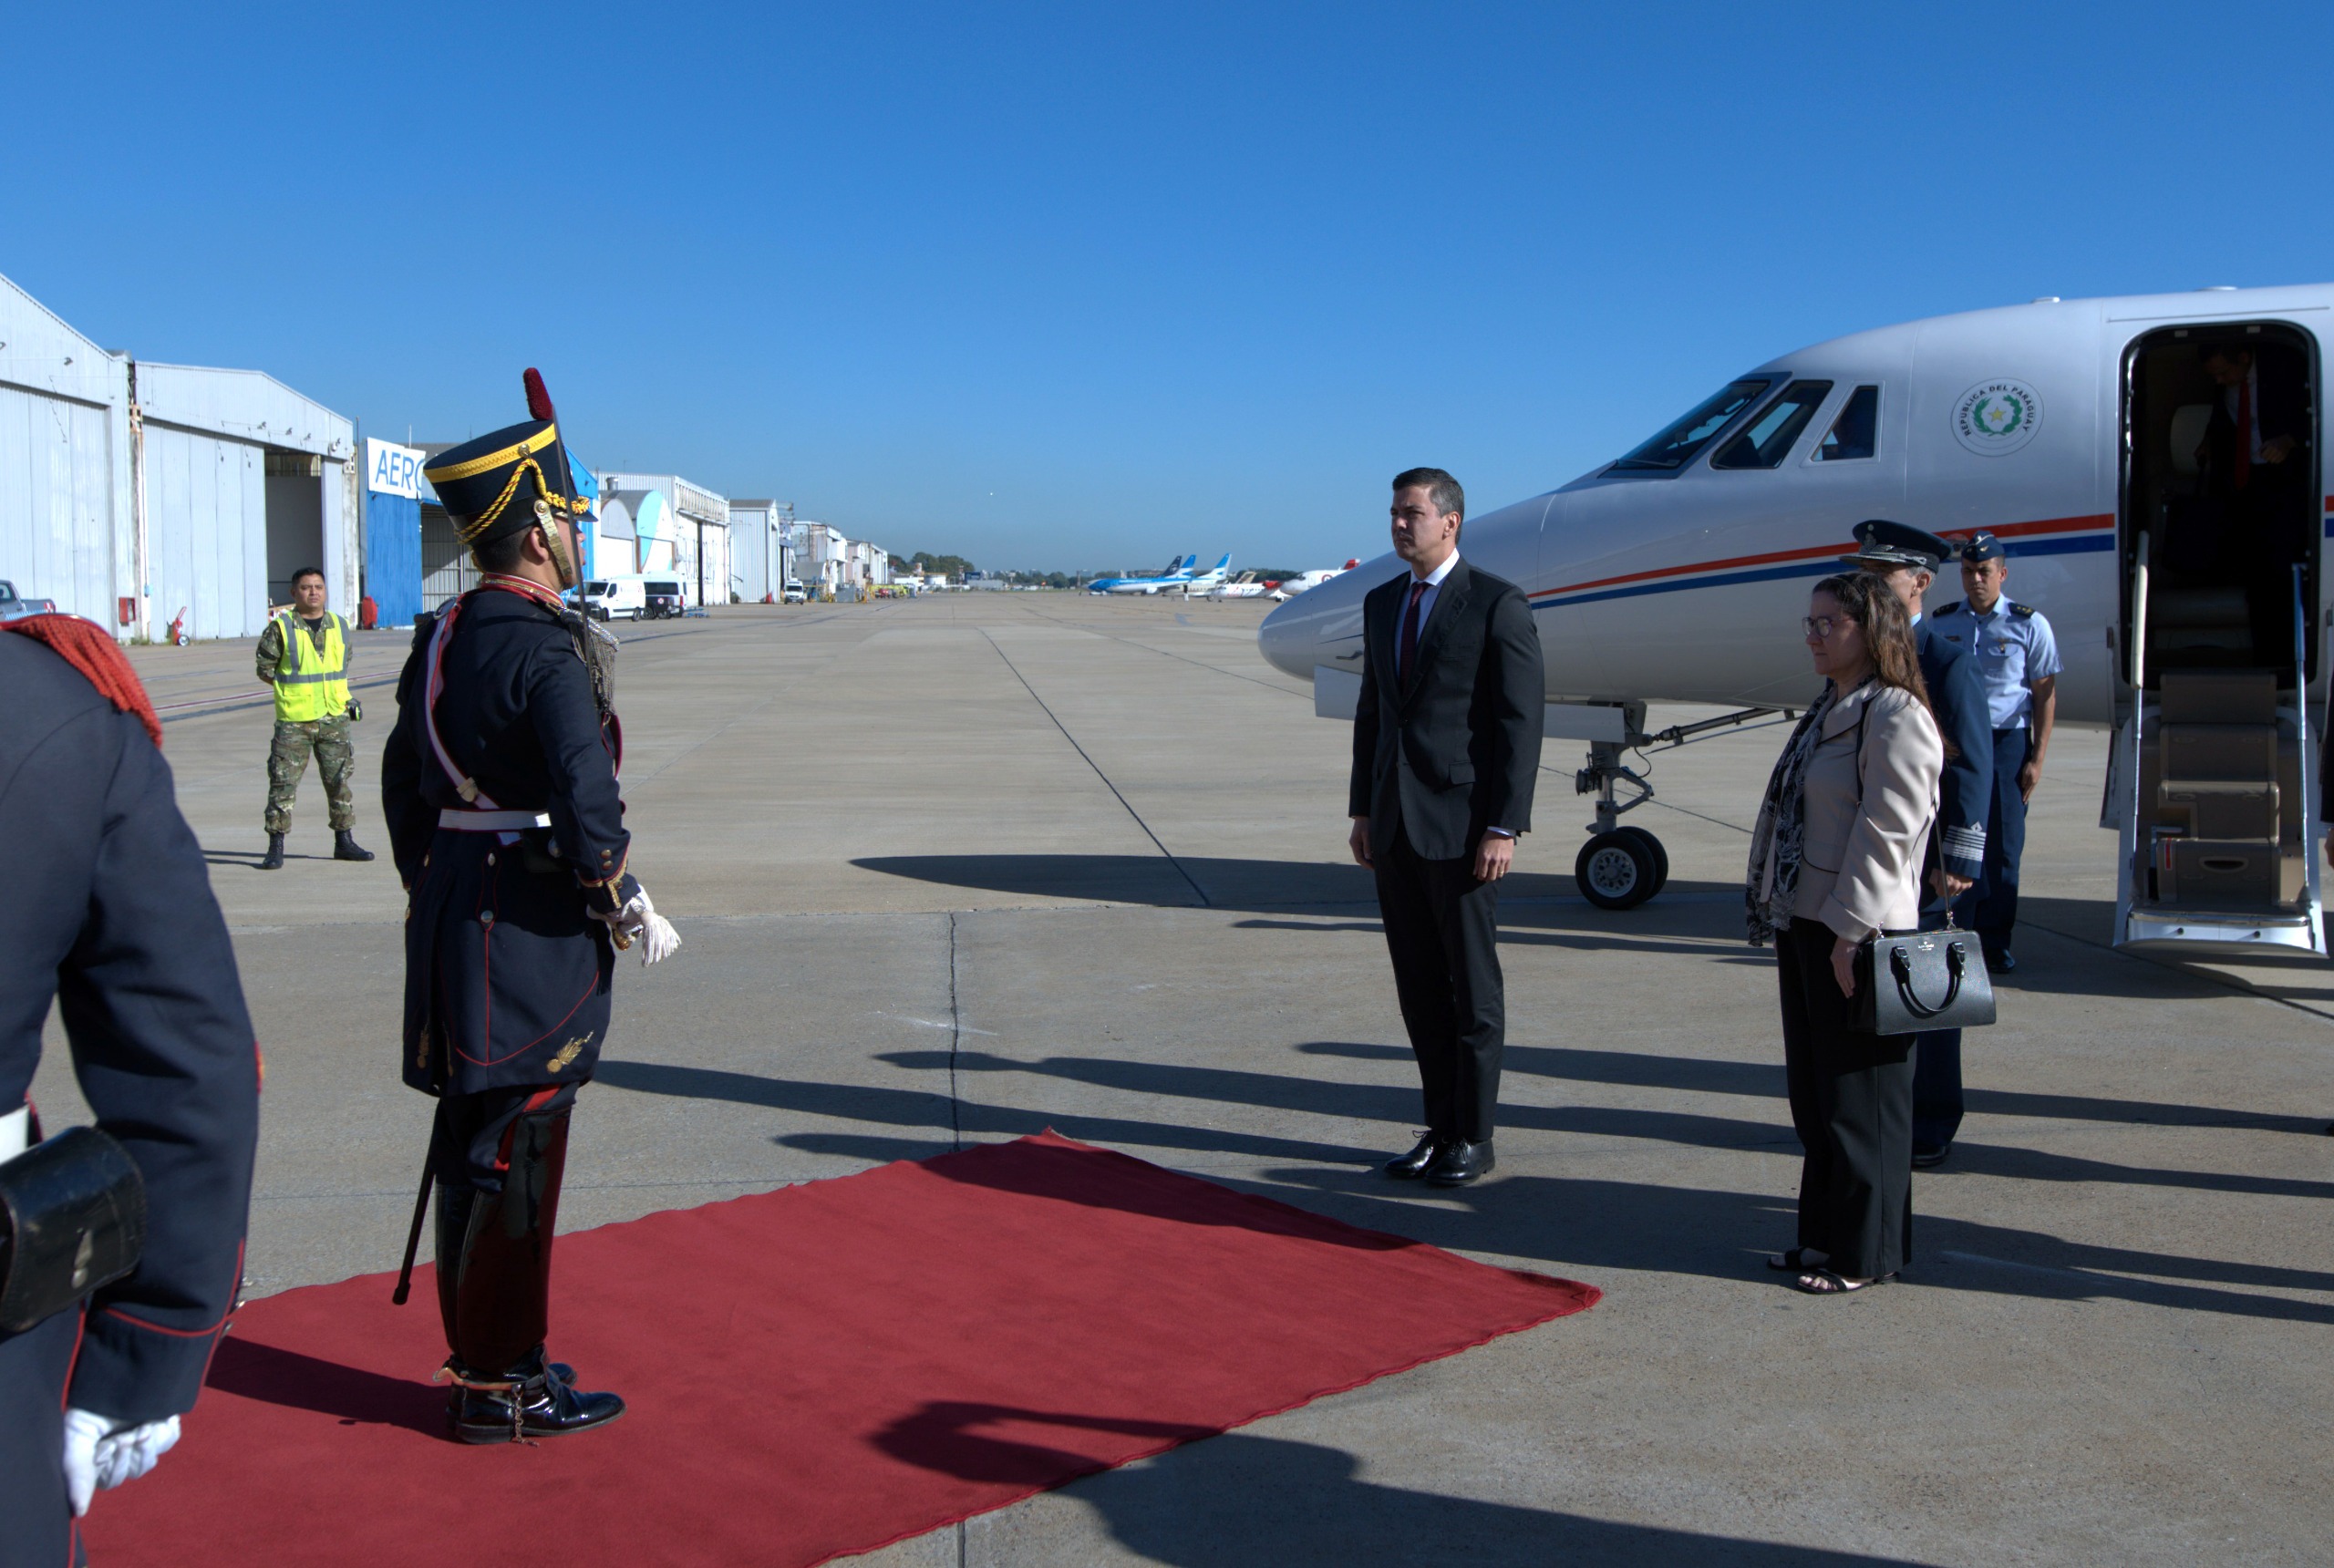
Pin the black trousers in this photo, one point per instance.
(1851, 1103)
(36, 1523)
(1442, 933)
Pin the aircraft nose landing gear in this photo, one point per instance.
(1620, 868)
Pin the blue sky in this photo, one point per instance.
(1089, 286)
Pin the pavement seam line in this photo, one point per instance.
(1162, 653)
(1197, 891)
(956, 1044)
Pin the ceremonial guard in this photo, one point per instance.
(124, 1241)
(500, 787)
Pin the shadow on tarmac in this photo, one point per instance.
(1536, 909)
(1243, 1500)
(1573, 1223)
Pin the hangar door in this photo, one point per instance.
(206, 527)
(55, 503)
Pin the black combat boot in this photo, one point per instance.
(533, 1399)
(345, 847)
(274, 861)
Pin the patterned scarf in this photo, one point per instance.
(1772, 885)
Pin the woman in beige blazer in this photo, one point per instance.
(1837, 858)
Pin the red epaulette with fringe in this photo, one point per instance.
(89, 649)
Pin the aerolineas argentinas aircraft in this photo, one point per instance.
(2072, 430)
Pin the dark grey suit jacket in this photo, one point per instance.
(1453, 747)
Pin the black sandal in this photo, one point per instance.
(1828, 1282)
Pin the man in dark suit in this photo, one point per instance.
(114, 923)
(1908, 558)
(2255, 458)
(1446, 746)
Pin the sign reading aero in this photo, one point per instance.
(2186, 588)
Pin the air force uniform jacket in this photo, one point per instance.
(1957, 696)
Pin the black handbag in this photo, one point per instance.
(1909, 981)
(72, 1219)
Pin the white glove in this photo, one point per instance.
(638, 921)
(658, 940)
(100, 1456)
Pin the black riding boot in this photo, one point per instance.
(274, 861)
(494, 1294)
(345, 847)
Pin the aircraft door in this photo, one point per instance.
(2212, 785)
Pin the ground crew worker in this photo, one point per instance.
(304, 655)
(505, 821)
(114, 927)
(2018, 659)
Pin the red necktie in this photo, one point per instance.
(1410, 645)
(2244, 431)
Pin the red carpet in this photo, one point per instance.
(817, 1370)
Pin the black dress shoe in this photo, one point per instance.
(1459, 1163)
(345, 847)
(1930, 1159)
(1410, 1167)
(533, 1400)
(275, 858)
(2000, 961)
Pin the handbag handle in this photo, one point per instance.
(1899, 966)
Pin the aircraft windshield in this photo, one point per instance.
(1767, 441)
(1676, 446)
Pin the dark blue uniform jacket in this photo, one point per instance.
(114, 918)
(1957, 698)
(506, 970)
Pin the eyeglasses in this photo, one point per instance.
(1821, 625)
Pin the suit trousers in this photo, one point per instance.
(1852, 1104)
(36, 1523)
(1442, 933)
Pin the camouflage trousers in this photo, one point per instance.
(288, 758)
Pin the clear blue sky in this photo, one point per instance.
(1089, 285)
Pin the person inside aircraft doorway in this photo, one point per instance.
(2255, 463)
(303, 656)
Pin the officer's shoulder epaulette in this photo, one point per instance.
(1952, 609)
(2023, 611)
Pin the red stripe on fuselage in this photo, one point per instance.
(2008, 531)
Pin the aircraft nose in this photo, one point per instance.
(1286, 639)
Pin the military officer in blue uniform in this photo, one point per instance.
(500, 787)
(2018, 659)
(114, 923)
(1908, 558)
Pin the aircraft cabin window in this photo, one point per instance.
(1856, 432)
(1676, 446)
(1768, 439)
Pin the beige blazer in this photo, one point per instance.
(1860, 860)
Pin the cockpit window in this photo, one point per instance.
(1676, 446)
(1856, 432)
(1768, 439)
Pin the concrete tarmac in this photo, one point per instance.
(957, 869)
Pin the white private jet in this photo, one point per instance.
(1244, 586)
(2070, 430)
(1290, 587)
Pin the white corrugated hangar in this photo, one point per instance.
(142, 496)
(758, 556)
(690, 540)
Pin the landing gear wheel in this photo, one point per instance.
(1615, 870)
(1660, 856)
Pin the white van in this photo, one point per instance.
(614, 598)
(792, 593)
(636, 597)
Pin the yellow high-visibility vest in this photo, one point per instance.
(309, 685)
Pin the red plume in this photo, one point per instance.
(538, 396)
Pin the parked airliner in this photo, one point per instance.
(1178, 573)
(2069, 429)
